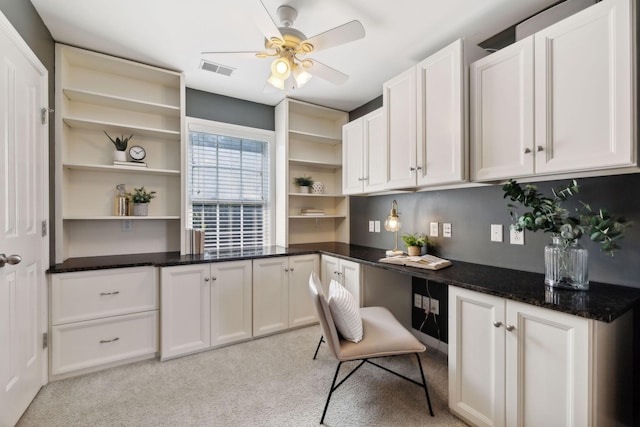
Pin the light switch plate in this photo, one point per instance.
(377, 226)
(496, 232)
(371, 227)
(433, 229)
(446, 229)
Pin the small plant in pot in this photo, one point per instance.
(304, 182)
(140, 199)
(414, 243)
(121, 145)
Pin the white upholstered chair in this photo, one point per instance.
(383, 336)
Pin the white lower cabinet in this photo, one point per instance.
(515, 364)
(346, 272)
(281, 297)
(204, 306)
(102, 318)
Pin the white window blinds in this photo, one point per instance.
(229, 188)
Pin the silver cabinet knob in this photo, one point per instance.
(497, 324)
(206, 279)
(527, 150)
(11, 259)
(540, 148)
(214, 278)
(510, 328)
(419, 168)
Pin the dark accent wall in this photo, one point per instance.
(435, 325)
(374, 104)
(220, 108)
(29, 25)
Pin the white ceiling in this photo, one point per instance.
(172, 34)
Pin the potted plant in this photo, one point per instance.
(414, 243)
(140, 199)
(565, 260)
(304, 182)
(121, 145)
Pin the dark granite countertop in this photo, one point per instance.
(603, 302)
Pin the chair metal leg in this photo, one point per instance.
(335, 377)
(318, 348)
(424, 383)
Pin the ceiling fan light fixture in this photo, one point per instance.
(276, 82)
(300, 75)
(281, 68)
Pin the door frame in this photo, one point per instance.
(12, 34)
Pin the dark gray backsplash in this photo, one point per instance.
(471, 211)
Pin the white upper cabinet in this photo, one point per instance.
(442, 114)
(363, 153)
(502, 113)
(584, 90)
(399, 103)
(561, 101)
(426, 108)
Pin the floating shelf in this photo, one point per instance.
(315, 216)
(314, 137)
(89, 97)
(112, 217)
(98, 125)
(314, 164)
(120, 169)
(317, 195)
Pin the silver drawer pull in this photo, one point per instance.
(110, 293)
(111, 340)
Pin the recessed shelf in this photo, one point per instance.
(316, 195)
(314, 137)
(99, 125)
(120, 169)
(89, 97)
(315, 216)
(314, 164)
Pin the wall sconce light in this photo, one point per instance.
(392, 223)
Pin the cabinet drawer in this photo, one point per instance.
(94, 294)
(97, 342)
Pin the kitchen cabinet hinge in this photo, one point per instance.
(45, 340)
(44, 228)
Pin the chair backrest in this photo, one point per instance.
(324, 314)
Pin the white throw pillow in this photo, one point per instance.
(345, 312)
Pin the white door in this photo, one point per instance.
(584, 91)
(399, 103)
(350, 278)
(375, 151)
(231, 284)
(23, 207)
(501, 108)
(352, 157)
(301, 311)
(270, 295)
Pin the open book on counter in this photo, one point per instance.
(429, 262)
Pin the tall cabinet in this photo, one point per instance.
(309, 143)
(97, 93)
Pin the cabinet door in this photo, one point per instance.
(352, 157)
(375, 151)
(301, 311)
(502, 113)
(270, 295)
(329, 270)
(350, 278)
(584, 90)
(399, 103)
(184, 302)
(548, 379)
(441, 145)
(231, 287)
(476, 357)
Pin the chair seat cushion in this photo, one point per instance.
(345, 312)
(383, 336)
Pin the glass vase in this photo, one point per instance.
(566, 265)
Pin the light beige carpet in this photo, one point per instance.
(271, 381)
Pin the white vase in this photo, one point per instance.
(304, 189)
(140, 209)
(120, 156)
(317, 188)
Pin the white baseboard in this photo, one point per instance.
(430, 341)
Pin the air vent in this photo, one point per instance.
(216, 68)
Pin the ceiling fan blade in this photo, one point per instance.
(345, 33)
(327, 73)
(265, 22)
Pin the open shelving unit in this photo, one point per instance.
(309, 143)
(97, 93)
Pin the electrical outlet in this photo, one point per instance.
(425, 303)
(377, 226)
(496, 232)
(433, 229)
(434, 306)
(371, 226)
(516, 236)
(446, 229)
(126, 225)
(417, 300)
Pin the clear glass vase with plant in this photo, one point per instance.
(565, 260)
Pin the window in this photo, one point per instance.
(229, 184)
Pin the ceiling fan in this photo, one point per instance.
(289, 47)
